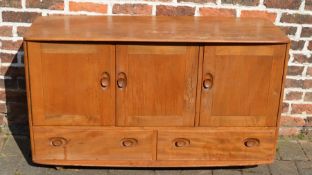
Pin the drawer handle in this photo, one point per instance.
(251, 142)
(208, 81)
(105, 80)
(122, 80)
(181, 142)
(58, 141)
(129, 142)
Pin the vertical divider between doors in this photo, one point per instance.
(199, 80)
(115, 80)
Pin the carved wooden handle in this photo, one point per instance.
(105, 80)
(181, 142)
(58, 141)
(251, 142)
(128, 142)
(208, 81)
(122, 80)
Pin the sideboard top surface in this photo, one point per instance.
(155, 29)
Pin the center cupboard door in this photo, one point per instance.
(241, 85)
(156, 85)
(71, 83)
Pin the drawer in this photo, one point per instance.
(73, 143)
(216, 144)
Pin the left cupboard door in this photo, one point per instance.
(71, 83)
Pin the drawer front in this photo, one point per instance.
(69, 143)
(216, 144)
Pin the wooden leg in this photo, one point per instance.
(59, 168)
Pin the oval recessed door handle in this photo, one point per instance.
(251, 142)
(122, 80)
(105, 80)
(128, 142)
(58, 141)
(181, 142)
(208, 81)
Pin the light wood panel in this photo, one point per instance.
(280, 109)
(199, 84)
(93, 144)
(245, 85)
(106, 140)
(65, 83)
(215, 144)
(158, 163)
(133, 91)
(160, 85)
(29, 104)
(183, 29)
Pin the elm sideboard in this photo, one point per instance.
(154, 91)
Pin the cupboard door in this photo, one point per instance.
(156, 85)
(241, 85)
(72, 84)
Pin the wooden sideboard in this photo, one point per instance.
(154, 91)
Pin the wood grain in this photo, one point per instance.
(246, 86)
(65, 84)
(161, 85)
(280, 109)
(152, 91)
(155, 29)
(199, 84)
(93, 144)
(210, 144)
(207, 146)
(28, 92)
(155, 164)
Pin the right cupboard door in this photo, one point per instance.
(241, 85)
